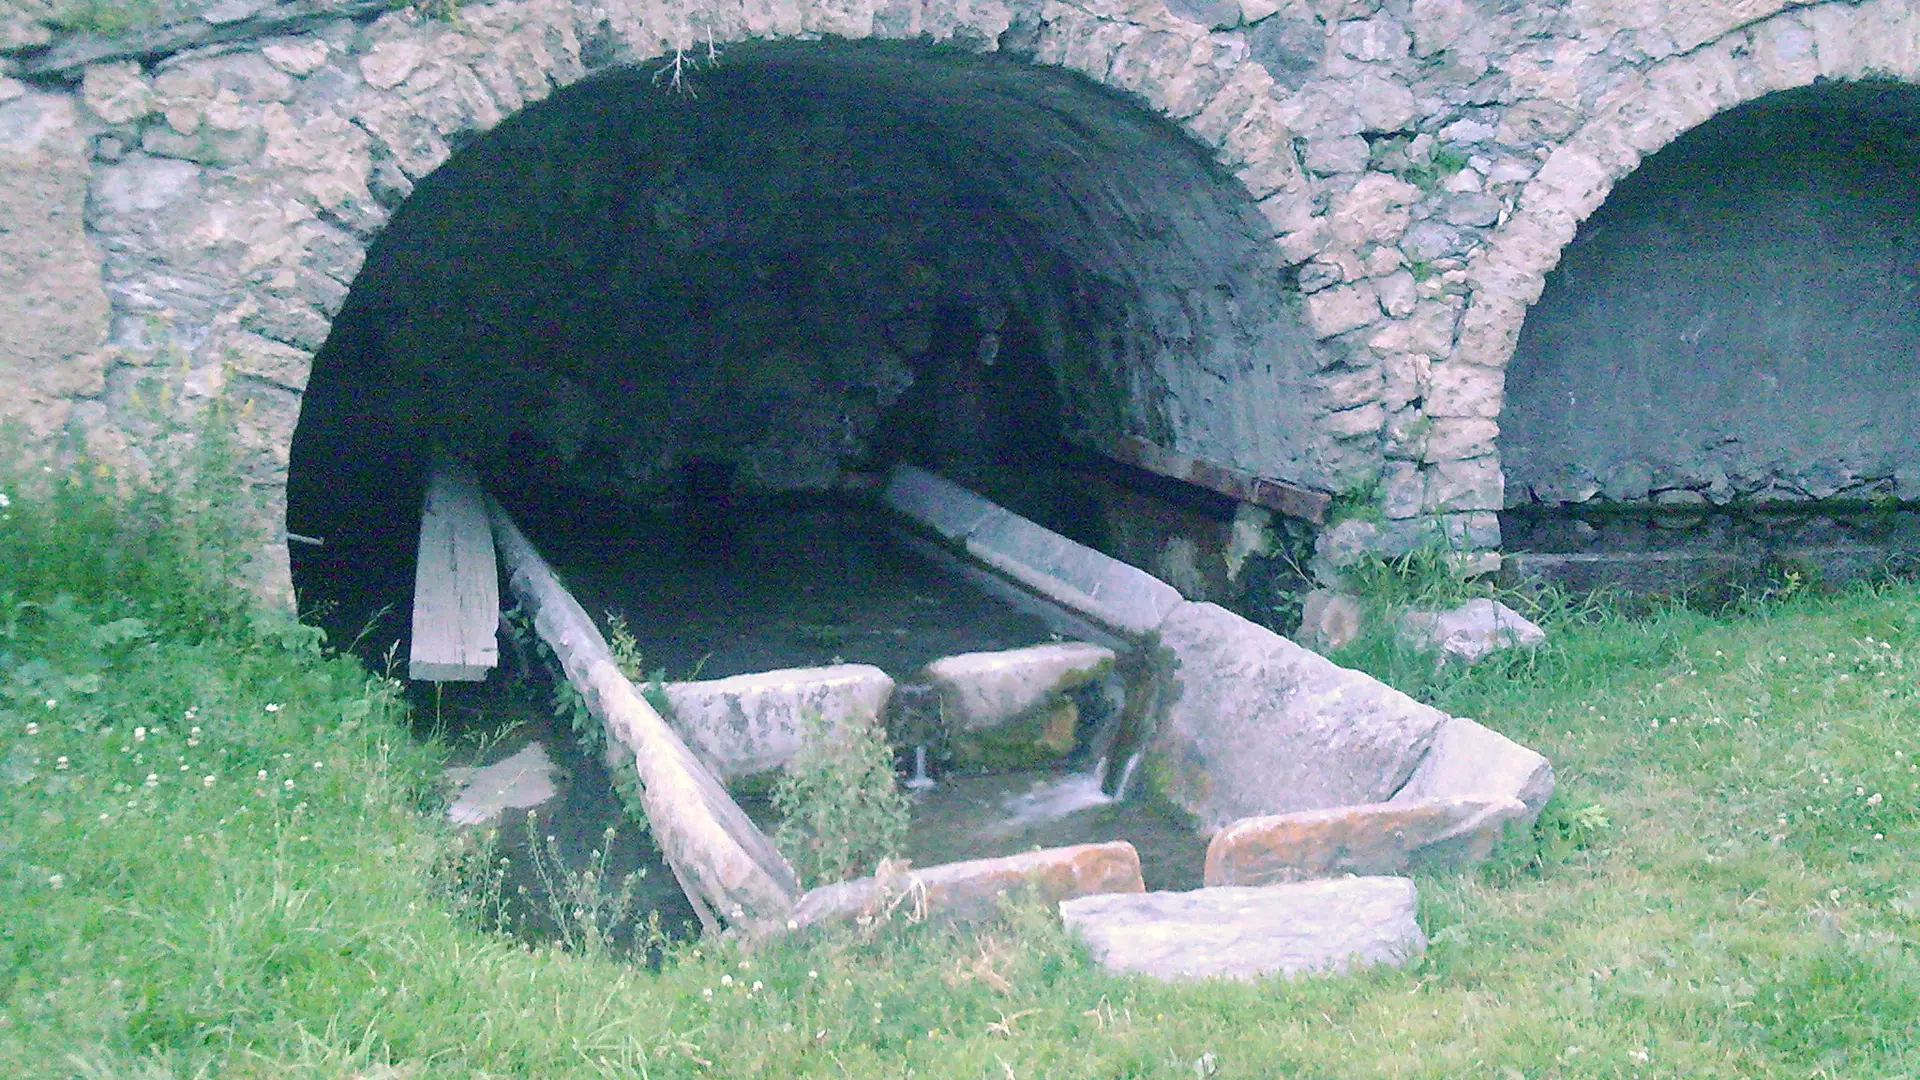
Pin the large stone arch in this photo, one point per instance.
(230, 256)
(1786, 51)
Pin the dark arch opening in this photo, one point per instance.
(833, 256)
(1735, 327)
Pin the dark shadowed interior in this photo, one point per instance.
(638, 309)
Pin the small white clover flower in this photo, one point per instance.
(273, 706)
(726, 980)
(207, 781)
(60, 762)
(262, 774)
(139, 734)
(288, 784)
(56, 881)
(153, 780)
(33, 728)
(53, 703)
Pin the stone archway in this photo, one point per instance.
(241, 187)
(1787, 51)
(1415, 167)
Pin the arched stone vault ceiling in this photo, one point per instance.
(1419, 165)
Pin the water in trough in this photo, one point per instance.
(790, 582)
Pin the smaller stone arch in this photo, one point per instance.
(1880, 39)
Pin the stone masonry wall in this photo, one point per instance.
(1419, 163)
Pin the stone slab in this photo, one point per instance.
(936, 502)
(1104, 589)
(984, 690)
(1467, 758)
(1379, 838)
(1246, 933)
(520, 781)
(1258, 725)
(973, 890)
(754, 723)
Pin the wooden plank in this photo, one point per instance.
(456, 586)
(1278, 495)
(724, 863)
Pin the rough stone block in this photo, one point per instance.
(753, 723)
(1467, 758)
(986, 690)
(974, 890)
(1246, 933)
(1329, 620)
(1462, 389)
(1378, 838)
(1259, 725)
(1472, 631)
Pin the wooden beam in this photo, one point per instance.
(1278, 495)
(456, 586)
(726, 865)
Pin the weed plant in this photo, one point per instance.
(841, 807)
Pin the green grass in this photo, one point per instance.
(1724, 885)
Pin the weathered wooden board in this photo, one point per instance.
(456, 586)
(1273, 494)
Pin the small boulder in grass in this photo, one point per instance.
(1329, 620)
(1471, 632)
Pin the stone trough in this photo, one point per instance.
(1300, 769)
(1303, 773)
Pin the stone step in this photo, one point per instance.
(1246, 933)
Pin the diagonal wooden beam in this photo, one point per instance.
(1288, 499)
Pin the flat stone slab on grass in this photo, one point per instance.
(1245, 933)
(1379, 838)
(749, 724)
(519, 782)
(1259, 725)
(972, 891)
